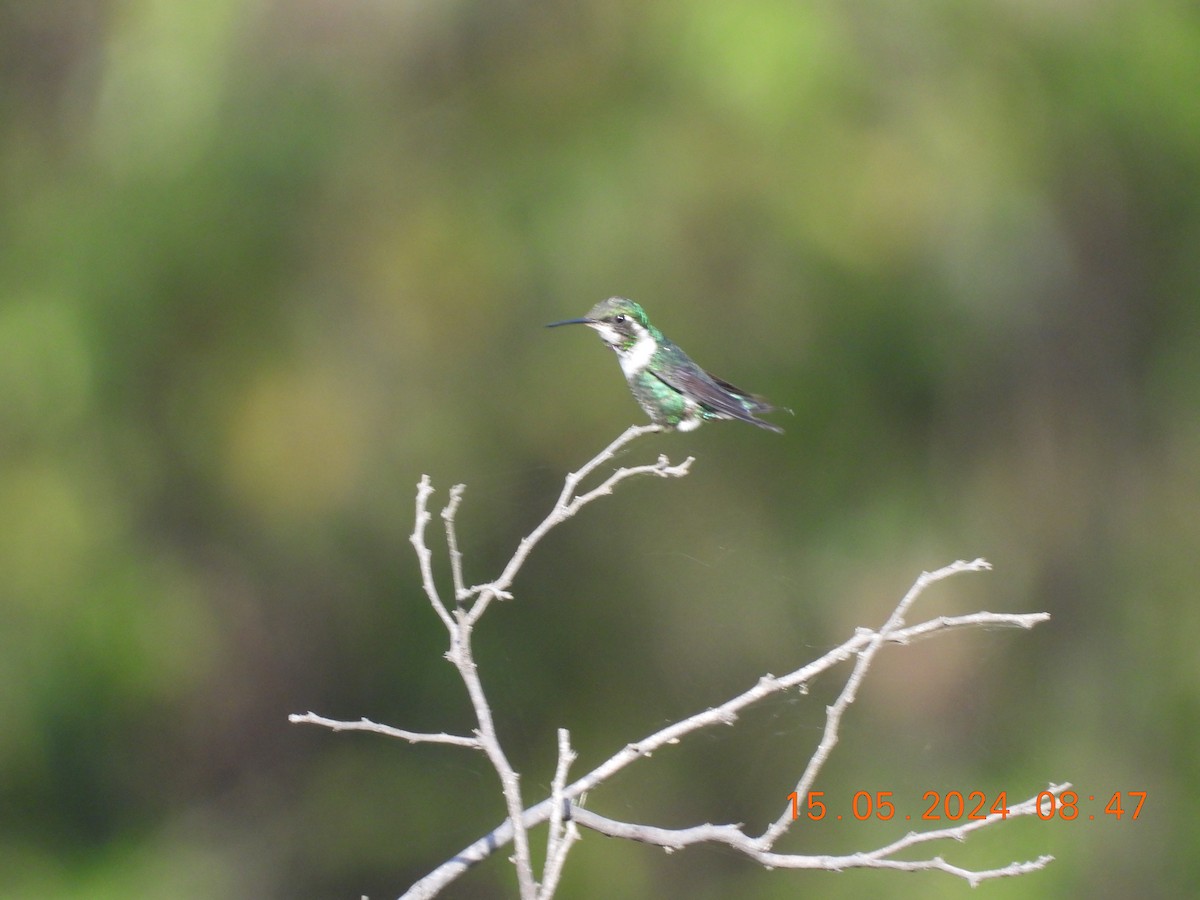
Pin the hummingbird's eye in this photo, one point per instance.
(619, 318)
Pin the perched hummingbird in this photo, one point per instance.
(674, 391)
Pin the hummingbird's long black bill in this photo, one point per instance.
(570, 322)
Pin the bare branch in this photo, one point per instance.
(662, 468)
(971, 620)
(834, 713)
(562, 810)
(568, 504)
(460, 625)
(561, 837)
(734, 837)
(413, 737)
(424, 556)
(725, 714)
(510, 780)
(460, 589)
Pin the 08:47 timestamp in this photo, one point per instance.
(953, 806)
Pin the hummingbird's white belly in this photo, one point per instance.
(690, 422)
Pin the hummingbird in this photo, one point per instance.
(675, 392)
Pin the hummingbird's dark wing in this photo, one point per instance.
(754, 401)
(719, 396)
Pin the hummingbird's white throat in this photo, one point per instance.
(635, 359)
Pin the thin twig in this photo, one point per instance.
(733, 836)
(561, 837)
(424, 555)
(460, 589)
(568, 504)
(413, 737)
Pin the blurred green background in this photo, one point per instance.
(263, 264)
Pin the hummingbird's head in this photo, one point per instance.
(620, 323)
